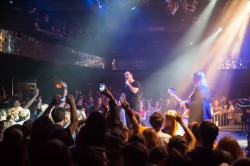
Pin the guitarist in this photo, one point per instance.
(200, 100)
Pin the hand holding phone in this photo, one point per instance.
(62, 99)
(102, 86)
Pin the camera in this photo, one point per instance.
(101, 86)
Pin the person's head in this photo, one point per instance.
(151, 138)
(137, 138)
(156, 120)
(231, 145)
(216, 103)
(230, 102)
(79, 102)
(200, 79)
(93, 156)
(90, 100)
(157, 104)
(13, 134)
(157, 155)
(24, 114)
(67, 117)
(134, 154)
(171, 124)
(16, 110)
(128, 76)
(58, 114)
(241, 162)
(3, 115)
(149, 105)
(208, 133)
(178, 143)
(26, 128)
(93, 133)
(53, 152)
(99, 101)
(194, 127)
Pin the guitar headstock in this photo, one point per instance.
(171, 91)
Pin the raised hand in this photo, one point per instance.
(64, 85)
(178, 118)
(126, 82)
(107, 93)
(125, 105)
(36, 92)
(70, 99)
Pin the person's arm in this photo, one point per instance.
(106, 109)
(190, 136)
(65, 92)
(130, 114)
(73, 114)
(53, 103)
(76, 94)
(39, 103)
(114, 113)
(32, 99)
(133, 89)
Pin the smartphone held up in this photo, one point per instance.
(102, 86)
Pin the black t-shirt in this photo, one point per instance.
(63, 134)
(133, 99)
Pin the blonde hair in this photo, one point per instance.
(174, 127)
(202, 79)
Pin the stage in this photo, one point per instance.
(235, 132)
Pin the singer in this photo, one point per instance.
(132, 90)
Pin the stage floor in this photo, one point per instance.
(235, 132)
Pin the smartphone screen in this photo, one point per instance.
(101, 86)
(63, 99)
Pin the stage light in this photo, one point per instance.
(248, 6)
(133, 8)
(220, 29)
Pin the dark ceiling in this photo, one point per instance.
(118, 29)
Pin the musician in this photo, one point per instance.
(200, 100)
(132, 91)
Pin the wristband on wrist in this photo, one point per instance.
(130, 113)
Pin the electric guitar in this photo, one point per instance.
(171, 91)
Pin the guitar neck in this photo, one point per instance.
(177, 98)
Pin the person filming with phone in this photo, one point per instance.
(132, 90)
